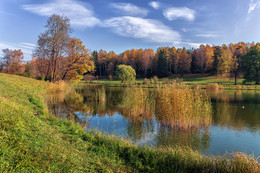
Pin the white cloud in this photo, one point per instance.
(184, 12)
(147, 29)
(79, 14)
(187, 44)
(207, 35)
(129, 9)
(254, 4)
(26, 48)
(154, 4)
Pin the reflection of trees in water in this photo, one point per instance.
(236, 110)
(198, 139)
(134, 104)
(137, 130)
(65, 105)
(102, 100)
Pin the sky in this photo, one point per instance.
(119, 25)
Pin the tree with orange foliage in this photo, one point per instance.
(184, 62)
(77, 62)
(203, 58)
(12, 61)
(146, 59)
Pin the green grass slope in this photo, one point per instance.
(35, 141)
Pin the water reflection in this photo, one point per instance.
(126, 112)
(236, 110)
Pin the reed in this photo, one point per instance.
(214, 86)
(137, 103)
(177, 105)
(59, 86)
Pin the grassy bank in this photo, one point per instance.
(33, 140)
(202, 80)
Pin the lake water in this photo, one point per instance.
(235, 123)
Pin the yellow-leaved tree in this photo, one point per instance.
(77, 62)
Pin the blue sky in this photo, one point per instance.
(119, 25)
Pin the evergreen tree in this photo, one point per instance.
(217, 54)
(162, 67)
(251, 62)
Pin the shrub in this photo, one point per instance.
(110, 77)
(40, 78)
(166, 80)
(88, 78)
(179, 80)
(146, 81)
(125, 73)
(156, 79)
(214, 86)
(239, 87)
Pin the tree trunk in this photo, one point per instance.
(235, 78)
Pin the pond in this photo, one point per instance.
(235, 124)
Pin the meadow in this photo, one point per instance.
(33, 140)
(226, 83)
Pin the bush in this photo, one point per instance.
(179, 80)
(214, 86)
(146, 81)
(156, 79)
(239, 87)
(88, 78)
(166, 80)
(40, 78)
(110, 77)
(125, 73)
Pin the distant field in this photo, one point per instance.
(203, 80)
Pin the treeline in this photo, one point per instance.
(60, 57)
(219, 60)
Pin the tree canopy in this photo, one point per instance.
(125, 73)
(59, 56)
(12, 61)
(251, 63)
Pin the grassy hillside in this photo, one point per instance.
(33, 140)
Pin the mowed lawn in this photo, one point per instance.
(189, 79)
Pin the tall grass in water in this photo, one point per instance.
(137, 103)
(214, 86)
(177, 105)
(59, 86)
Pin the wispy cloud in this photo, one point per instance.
(188, 44)
(184, 12)
(154, 4)
(79, 14)
(254, 4)
(26, 48)
(207, 35)
(147, 29)
(4, 12)
(129, 9)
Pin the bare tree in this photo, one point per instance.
(52, 44)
